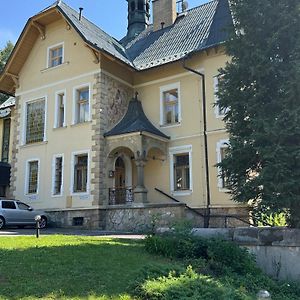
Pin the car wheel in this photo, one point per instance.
(2, 222)
(43, 222)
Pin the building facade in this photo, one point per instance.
(106, 131)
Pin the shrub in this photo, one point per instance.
(188, 285)
(221, 255)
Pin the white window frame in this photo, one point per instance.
(27, 176)
(224, 143)
(75, 90)
(45, 97)
(216, 99)
(181, 150)
(164, 89)
(55, 156)
(75, 153)
(57, 94)
(48, 54)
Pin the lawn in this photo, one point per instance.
(69, 267)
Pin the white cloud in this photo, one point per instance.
(5, 36)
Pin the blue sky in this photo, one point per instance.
(110, 15)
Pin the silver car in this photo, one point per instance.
(14, 212)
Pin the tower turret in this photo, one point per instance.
(138, 17)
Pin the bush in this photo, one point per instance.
(188, 285)
(220, 254)
(233, 266)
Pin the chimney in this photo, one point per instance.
(164, 12)
(80, 13)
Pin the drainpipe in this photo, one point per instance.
(207, 214)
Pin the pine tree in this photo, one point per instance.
(261, 88)
(4, 55)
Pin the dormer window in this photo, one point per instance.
(55, 55)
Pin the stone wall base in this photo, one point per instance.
(223, 217)
(143, 217)
(138, 218)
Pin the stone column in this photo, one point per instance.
(140, 192)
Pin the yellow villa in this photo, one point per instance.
(114, 134)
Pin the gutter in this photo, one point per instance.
(208, 200)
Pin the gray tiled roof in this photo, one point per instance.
(199, 28)
(93, 34)
(135, 120)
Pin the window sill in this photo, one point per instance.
(56, 67)
(57, 196)
(81, 123)
(170, 125)
(60, 128)
(82, 196)
(224, 190)
(34, 144)
(182, 193)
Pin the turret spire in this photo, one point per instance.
(138, 17)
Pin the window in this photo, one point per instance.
(60, 111)
(80, 173)
(82, 105)
(170, 105)
(181, 172)
(132, 6)
(222, 148)
(8, 205)
(140, 5)
(35, 121)
(55, 56)
(5, 140)
(218, 111)
(181, 169)
(23, 206)
(57, 177)
(32, 177)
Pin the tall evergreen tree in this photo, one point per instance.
(261, 88)
(4, 55)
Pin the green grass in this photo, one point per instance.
(69, 267)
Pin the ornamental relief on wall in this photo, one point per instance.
(118, 99)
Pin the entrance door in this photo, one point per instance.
(120, 173)
(120, 186)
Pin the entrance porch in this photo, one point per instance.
(132, 144)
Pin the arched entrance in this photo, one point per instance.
(121, 192)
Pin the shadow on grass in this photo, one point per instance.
(70, 271)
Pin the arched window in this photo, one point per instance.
(141, 5)
(132, 5)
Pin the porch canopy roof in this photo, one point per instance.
(135, 121)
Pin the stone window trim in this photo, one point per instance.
(185, 149)
(53, 47)
(164, 89)
(26, 187)
(24, 120)
(76, 89)
(57, 109)
(224, 143)
(73, 156)
(53, 194)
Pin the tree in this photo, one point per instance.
(261, 88)
(4, 55)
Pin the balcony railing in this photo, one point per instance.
(119, 196)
